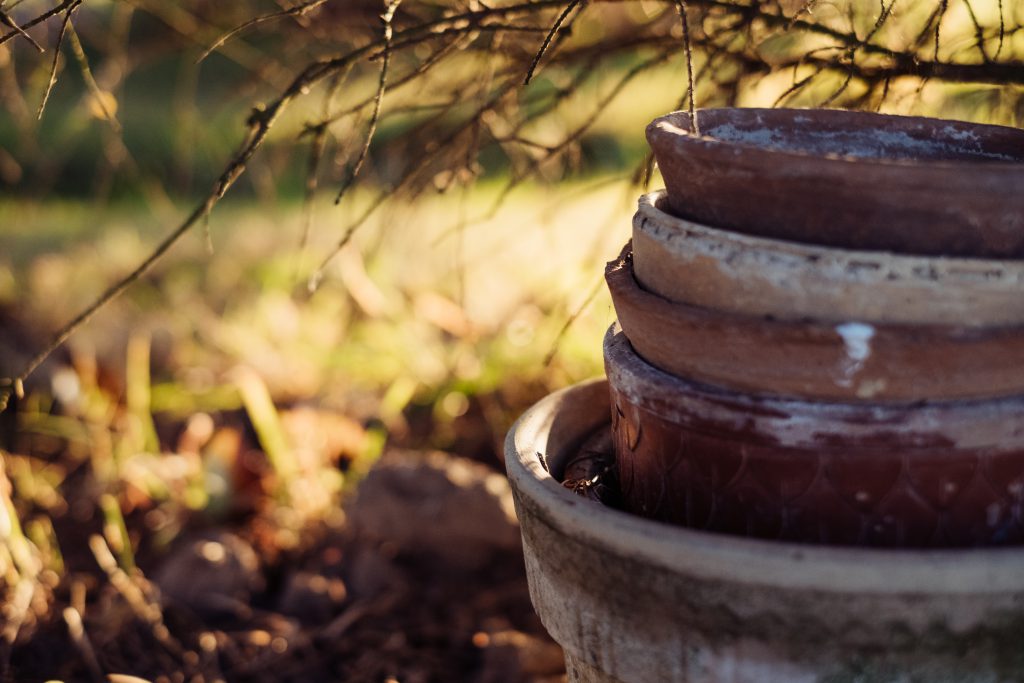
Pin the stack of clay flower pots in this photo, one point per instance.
(822, 329)
(816, 382)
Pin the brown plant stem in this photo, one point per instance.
(56, 58)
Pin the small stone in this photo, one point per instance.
(211, 574)
(312, 597)
(437, 504)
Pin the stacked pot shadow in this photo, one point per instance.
(821, 330)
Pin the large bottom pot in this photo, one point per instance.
(635, 600)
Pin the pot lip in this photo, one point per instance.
(965, 425)
(652, 207)
(739, 560)
(673, 128)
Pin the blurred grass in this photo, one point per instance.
(416, 293)
(429, 316)
(218, 391)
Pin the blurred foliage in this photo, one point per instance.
(152, 102)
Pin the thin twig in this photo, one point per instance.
(296, 11)
(885, 94)
(97, 93)
(838, 91)
(691, 85)
(979, 32)
(378, 102)
(551, 34)
(421, 69)
(1002, 29)
(557, 343)
(317, 276)
(56, 58)
(884, 14)
(521, 176)
(943, 6)
(18, 30)
(259, 125)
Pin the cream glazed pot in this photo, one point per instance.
(686, 262)
(635, 601)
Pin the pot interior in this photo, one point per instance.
(860, 135)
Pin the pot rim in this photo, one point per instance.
(622, 267)
(697, 263)
(746, 561)
(674, 126)
(763, 413)
(652, 206)
(811, 359)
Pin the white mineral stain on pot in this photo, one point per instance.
(857, 340)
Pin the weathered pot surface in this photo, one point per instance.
(918, 475)
(852, 360)
(687, 262)
(848, 179)
(636, 601)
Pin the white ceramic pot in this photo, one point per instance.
(701, 265)
(638, 601)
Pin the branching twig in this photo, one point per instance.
(56, 57)
(259, 125)
(729, 35)
(296, 11)
(979, 32)
(22, 29)
(378, 101)
(573, 4)
(6, 20)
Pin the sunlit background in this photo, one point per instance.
(224, 397)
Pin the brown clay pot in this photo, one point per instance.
(924, 475)
(847, 179)
(847, 361)
(690, 263)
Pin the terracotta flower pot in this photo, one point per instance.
(637, 601)
(845, 361)
(948, 474)
(690, 263)
(847, 179)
